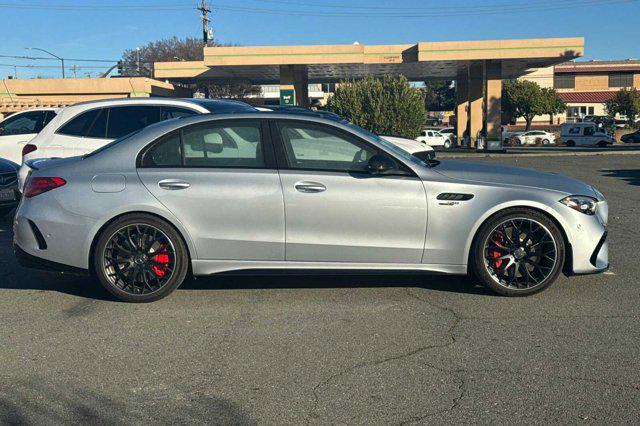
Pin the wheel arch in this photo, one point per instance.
(179, 229)
(539, 208)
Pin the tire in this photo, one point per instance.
(531, 268)
(134, 254)
(447, 144)
(570, 143)
(602, 144)
(545, 142)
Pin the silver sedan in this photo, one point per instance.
(209, 194)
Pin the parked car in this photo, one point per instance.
(418, 149)
(19, 128)
(536, 137)
(87, 126)
(585, 134)
(450, 133)
(631, 137)
(434, 138)
(208, 194)
(9, 195)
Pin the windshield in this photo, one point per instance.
(110, 144)
(390, 146)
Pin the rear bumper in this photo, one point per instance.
(27, 260)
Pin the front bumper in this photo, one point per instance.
(588, 242)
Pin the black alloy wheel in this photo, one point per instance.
(518, 253)
(140, 258)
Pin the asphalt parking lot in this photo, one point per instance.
(334, 349)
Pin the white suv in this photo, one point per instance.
(19, 128)
(84, 127)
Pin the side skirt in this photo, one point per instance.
(209, 267)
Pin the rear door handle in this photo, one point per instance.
(309, 187)
(173, 185)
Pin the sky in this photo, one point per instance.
(95, 29)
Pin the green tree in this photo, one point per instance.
(439, 95)
(387, 105)
(523, 98)
(553, 103)
(139, 62)
(625, 102)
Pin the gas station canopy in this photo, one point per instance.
(333, 63)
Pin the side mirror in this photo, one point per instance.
(381, 164)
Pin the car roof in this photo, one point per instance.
(160, 100)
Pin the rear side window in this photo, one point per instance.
(98, 128)
(215, 145)
(166, 152)
(124, 120)
(80, 125)
(48, 116)
(234, 145)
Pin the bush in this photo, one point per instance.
(384, 106)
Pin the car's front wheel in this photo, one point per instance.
(140, 258)
(447, 144)
(518, 252)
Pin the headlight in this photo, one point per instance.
(581, 203)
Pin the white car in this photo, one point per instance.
(86, 126)
(536, 137)
(19, 128)
(434, 138)
(418, 149)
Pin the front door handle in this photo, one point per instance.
(309, 187)
(173, 185)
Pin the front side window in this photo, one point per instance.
(127, 119)
(315, 147)
(22, 124)
(223, 145)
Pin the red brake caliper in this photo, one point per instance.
(496, 254)
(162, 263)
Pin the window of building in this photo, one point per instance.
(620, 79)
(564, 81)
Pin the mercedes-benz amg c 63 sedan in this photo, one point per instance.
(208, 194)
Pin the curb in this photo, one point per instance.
(536, 154)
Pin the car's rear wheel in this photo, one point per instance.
(570, 143)
(518, 252)
(140, 258)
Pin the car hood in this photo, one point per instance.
(508, 175)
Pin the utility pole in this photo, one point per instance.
(74, 69)
(137, 61)
(205, 21)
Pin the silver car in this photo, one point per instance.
(209, 194)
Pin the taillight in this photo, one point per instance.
(38, 185)
(28, 149)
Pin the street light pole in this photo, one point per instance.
(55, 56)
